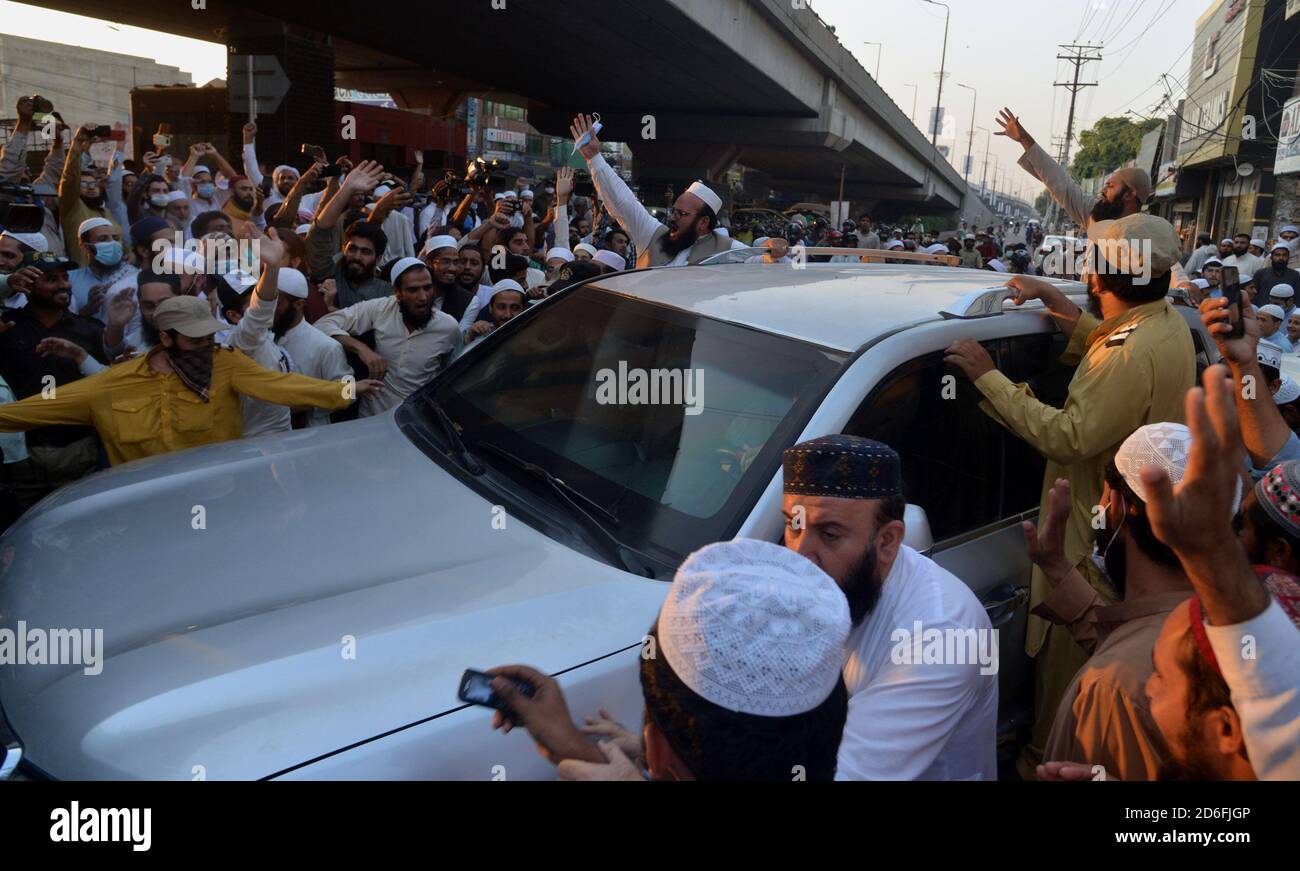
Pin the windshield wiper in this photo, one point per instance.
(468, 460)
(628, 558)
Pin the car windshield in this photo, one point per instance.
(670, 422)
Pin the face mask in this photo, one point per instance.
(206, 189)
(108, 253)
(158, 201)
(1112, 567)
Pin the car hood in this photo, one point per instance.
(266, 601)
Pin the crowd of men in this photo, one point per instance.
(311, 295)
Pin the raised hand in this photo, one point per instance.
(1214, 314)
(330, 293)
(580, 126)
(250, 132)
(365, 177)
(1046, 544)
(270, 250)
(1011, 128)
(122, 307)
(94, 300)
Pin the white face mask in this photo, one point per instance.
(158, 201)
(1099, 555)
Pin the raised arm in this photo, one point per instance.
(250, 154)
(617, 196)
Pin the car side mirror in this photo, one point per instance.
(917, 534)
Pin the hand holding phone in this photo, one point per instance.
(1230, 279)
(476, 688)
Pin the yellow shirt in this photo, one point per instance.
(1136, 368)
(139, 412)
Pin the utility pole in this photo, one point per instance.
(1080, 55)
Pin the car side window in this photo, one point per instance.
(1034, 361)
(951, 450)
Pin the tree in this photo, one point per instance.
(1109, 144)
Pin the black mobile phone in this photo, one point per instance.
(331, 170)
(1230, 280)
(103, 131)
(476, 688)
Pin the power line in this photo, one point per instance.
(1080, 55)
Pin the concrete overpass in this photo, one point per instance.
(758, 82)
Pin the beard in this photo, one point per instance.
(94, 202)
(283, 323)
(149, 333)
(1105, 210)
(1196, 765)
(862, 587)
(415, 321)
(242, 204)
(685, 239)
(469, 280)
(355, 270)
(1094, 304)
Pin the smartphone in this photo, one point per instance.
(103, 131)
(476, 688)
(331, 170)
(165, 161)
(1230, 280)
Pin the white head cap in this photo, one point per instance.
(1274, 310)
(284, 169)
(558, 253)
(404, 264)
(996, 265)
(1167, 445)
(92, 223)
(701, 190)
(433, 243)
(605, 257)
(755, 628)
(1258, 243)
(583, 246)
(1281, 243)
(173, 196)
(34, 241)
(1269, 354)
(893, 244)
(292, 282)
(507, 284)
(1282, 291)
(1288, 392)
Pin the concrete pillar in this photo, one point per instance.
(306, 114)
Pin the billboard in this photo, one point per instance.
(1288, 139)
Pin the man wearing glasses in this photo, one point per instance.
(691, 233)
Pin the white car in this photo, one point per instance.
(316, 623)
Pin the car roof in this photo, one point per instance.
(836, 305)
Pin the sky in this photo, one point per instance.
(1004, 49)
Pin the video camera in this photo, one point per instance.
(481, 174)
(19, 211)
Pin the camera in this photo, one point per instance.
(483, 173)
(19, 211)
(40, 105)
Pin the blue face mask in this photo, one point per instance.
(108, 253)
(206, 189)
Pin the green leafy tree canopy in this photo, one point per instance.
(1107, 145)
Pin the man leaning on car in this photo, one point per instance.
(182, 394)
(1136, 362)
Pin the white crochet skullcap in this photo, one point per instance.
(1167, 445)
(755, 628)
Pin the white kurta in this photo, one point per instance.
(927, 721)
(1265, 688)
(413, 357)
(252, 335)
(315, 355)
